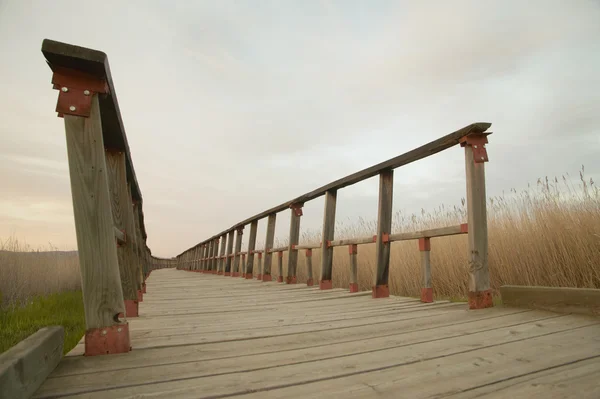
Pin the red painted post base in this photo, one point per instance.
(310, 282)
(280, 279)
(227, 274)
(249, 276)
(235, 274)
(143, 288)
(140, 296)
(480, 299)
(131, 308)
(219, 273)
(427, 295)
(259, 277)
(107, 340)
(266, 278)
(380, 291)
(325, 284)
(353, 287)
(290, 280)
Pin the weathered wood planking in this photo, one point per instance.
(357, 347)
(557, 299)
(25, 366)
(122, 218)
(99, 265)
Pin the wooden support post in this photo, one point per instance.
(260, 272)
(384, 227)
(204, 263)
(296, 210)
(328, 236)
(251, 246)
(266, 276)
(98, 261)
(480, 294)
(123, 221)
(213, 267)
(309, 269)
(211, 253)
(221, 265)
(353, 251)
(425, 249)
(242, 263)
(228, 253)
(236, 253)
(280, 267)
(137, 242)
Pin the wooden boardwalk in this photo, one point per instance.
(209, 336)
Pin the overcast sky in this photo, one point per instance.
(232, 107)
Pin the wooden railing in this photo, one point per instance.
(107, 202)
(216, 254)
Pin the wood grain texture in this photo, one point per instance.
(384, 226)
(100, 276)
(307, 345)
(431, 233)
(328, 235)
(25, 366)
(230, 238)
(122, 218)
(251, 247)
(294, 238)
(133, 226)
(426, 268)
(269, 239)
(237, 250)
(221, 264)
(479, 275)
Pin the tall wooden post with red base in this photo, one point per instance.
(480, 294)
(78, 103)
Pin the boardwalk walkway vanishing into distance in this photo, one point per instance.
(218, 322)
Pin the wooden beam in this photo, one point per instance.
(236, 253)
(328, 234)
(352, 241)
(25, 366)
(221, 264)
(480, 294)
(384, 227)
(228, 259)
(431, 233)
(308, 246)
(294, 238)
(251, 245)
(121, 213)
(98, 261)
(555, 299)
(272, 218)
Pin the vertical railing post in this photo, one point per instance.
(133, 236)
(251, 246)
(353, 251)
(228, 259)
(221, 265)
(266, 276)
(280, 266)
(138, 243)
(384, 227)
(236, 253)
(98, 260)
(204, 266)
(259, 265)
(480, 294)
(122, 219)
(296, 210)
(309, 269)
(425, 249)
(213, 266)
(328, 235)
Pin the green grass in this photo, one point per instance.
(62, 309)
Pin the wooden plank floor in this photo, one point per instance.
(207, 336)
